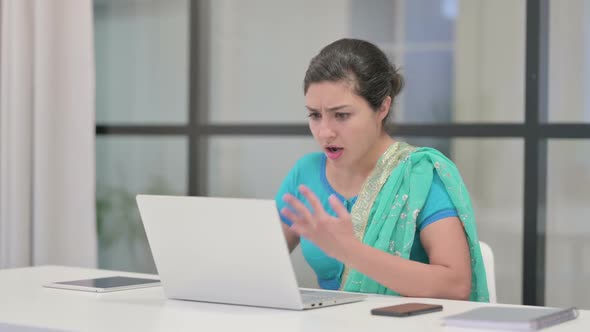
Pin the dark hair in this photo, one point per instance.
(361, 63)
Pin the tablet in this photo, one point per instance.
(107, 284)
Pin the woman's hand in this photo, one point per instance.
(334, 235)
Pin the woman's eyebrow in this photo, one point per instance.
(331, 109)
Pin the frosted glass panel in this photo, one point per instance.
(493, 172)
(432, 70)
(568, 230)
(125, 167)
(489, 61)
(141, 61)
(569, 61)
(253, 166)
(256, 73)
(432, 21)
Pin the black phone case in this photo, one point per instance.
(393, 313)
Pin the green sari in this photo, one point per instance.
(384, 215)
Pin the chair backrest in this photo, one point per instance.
(488, 262)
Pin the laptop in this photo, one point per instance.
(226, 250)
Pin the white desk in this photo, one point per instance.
(24, 302)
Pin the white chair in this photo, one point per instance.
(488, 263)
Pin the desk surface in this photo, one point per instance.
(24, 302)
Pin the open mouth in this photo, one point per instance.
(334, 152)
(333, 149)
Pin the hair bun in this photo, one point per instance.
(397, 82)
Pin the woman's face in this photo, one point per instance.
(343, 123)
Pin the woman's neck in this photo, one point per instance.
(348, 181)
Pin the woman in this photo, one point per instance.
(374, 215)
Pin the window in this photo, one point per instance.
(215, 94)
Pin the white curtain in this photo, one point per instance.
(47, 165)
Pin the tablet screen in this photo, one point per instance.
(109, 282)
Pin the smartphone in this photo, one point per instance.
(406, 309)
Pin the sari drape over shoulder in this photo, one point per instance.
(385, 213)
